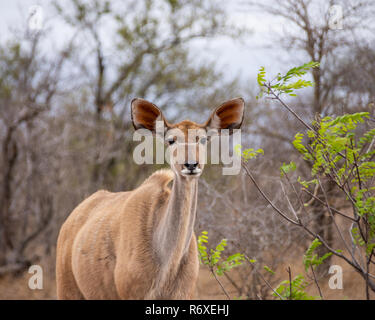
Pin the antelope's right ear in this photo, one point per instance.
(145, 114)
(228, 115)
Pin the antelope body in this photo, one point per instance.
(140, 244)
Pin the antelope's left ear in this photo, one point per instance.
(145, 114)
(229, 115)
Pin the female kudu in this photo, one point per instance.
(141, 244)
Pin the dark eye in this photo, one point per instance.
(203, 140)
(170, 141)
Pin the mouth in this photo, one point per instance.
(191, 173)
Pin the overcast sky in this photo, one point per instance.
(238, 59)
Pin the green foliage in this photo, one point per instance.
(332, 140)
(357, 238)
(286, 84)
(311, 259)
(247, 154)
(202, 249)
(306, 184)
(339, 151)
(298, 144)
(286, 168)
(365, 205)
(366, 138)
(294, 290)
(268, 269)
(336, 150)
(213, 258)
(261, 78)
(232, 261)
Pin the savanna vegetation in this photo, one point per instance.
(304, 200)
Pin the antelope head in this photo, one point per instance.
(187, 140)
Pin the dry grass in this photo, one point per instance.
(353, 284)
(16, 287)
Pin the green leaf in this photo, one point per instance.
(286, 168)
(268, 269)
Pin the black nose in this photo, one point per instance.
(191, 165)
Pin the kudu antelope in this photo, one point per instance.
(141, 244)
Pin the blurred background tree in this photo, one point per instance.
(65, 128)
(28, 88)
(65, 122)
(328, 32)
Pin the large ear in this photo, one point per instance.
(229, 115)
(145, 114)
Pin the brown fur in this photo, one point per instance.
(104, 247)
(138, 244)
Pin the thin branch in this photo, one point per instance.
(333, 209)
(288, 200)
(222, 287)
(234, 284)
(290, 282)
(353, 263)
(316, 282)
(268, 86)
(334, 221)
(261, 276)
(268, 200)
